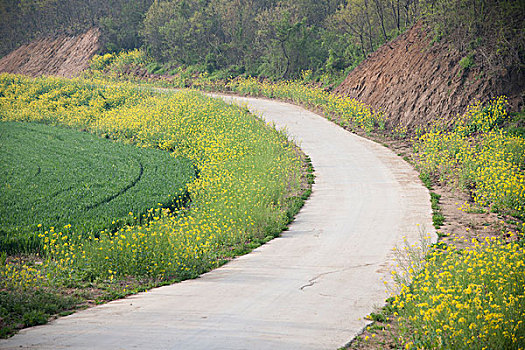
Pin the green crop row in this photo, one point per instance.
(53, 176)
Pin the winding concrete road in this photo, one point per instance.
(308, 289)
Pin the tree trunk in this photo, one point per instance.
(369, 27)
(381, 15)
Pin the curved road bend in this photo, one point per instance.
(308, 289)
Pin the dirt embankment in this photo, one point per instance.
(414, 81)
(64, 56)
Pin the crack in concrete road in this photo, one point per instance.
(313, 280)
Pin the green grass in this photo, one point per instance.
(516, 124)
(53, 176)
(427, 181)
(437, 218)
(30, 308)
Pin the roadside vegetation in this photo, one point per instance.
(474, 152)
(464, 295)
(249, 185)
(463, 298)
(477, 155)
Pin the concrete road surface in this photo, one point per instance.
(309, 289)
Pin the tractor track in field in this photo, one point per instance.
(119, 193)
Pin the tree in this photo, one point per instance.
(178, 31)
(288, 43)
(120, 30)
(370, 23)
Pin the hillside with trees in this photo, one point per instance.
(26, 20)
(459, 50)
(272, 38)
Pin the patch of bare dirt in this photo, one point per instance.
(414, 81)
(64, 56)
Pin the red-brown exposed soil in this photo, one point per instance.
(65, 56)
(414, 81)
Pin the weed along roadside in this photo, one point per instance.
(474, 171)
(296, 282)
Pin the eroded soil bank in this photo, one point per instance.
(63, 56)
(414, 80)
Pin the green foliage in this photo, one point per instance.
(173, 31)
(290, 44)
(466, 62)
(153, 67)
(427, 181)
(515, 125)
(80, 180)
(120, 26)
(378, 316)
(434, 200)
(30, 308)
(267, 38)
(437, 218)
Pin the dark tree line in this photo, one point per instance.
(274, 38)
(277, 38)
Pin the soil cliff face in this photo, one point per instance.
(64, 56)
(414, 81)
